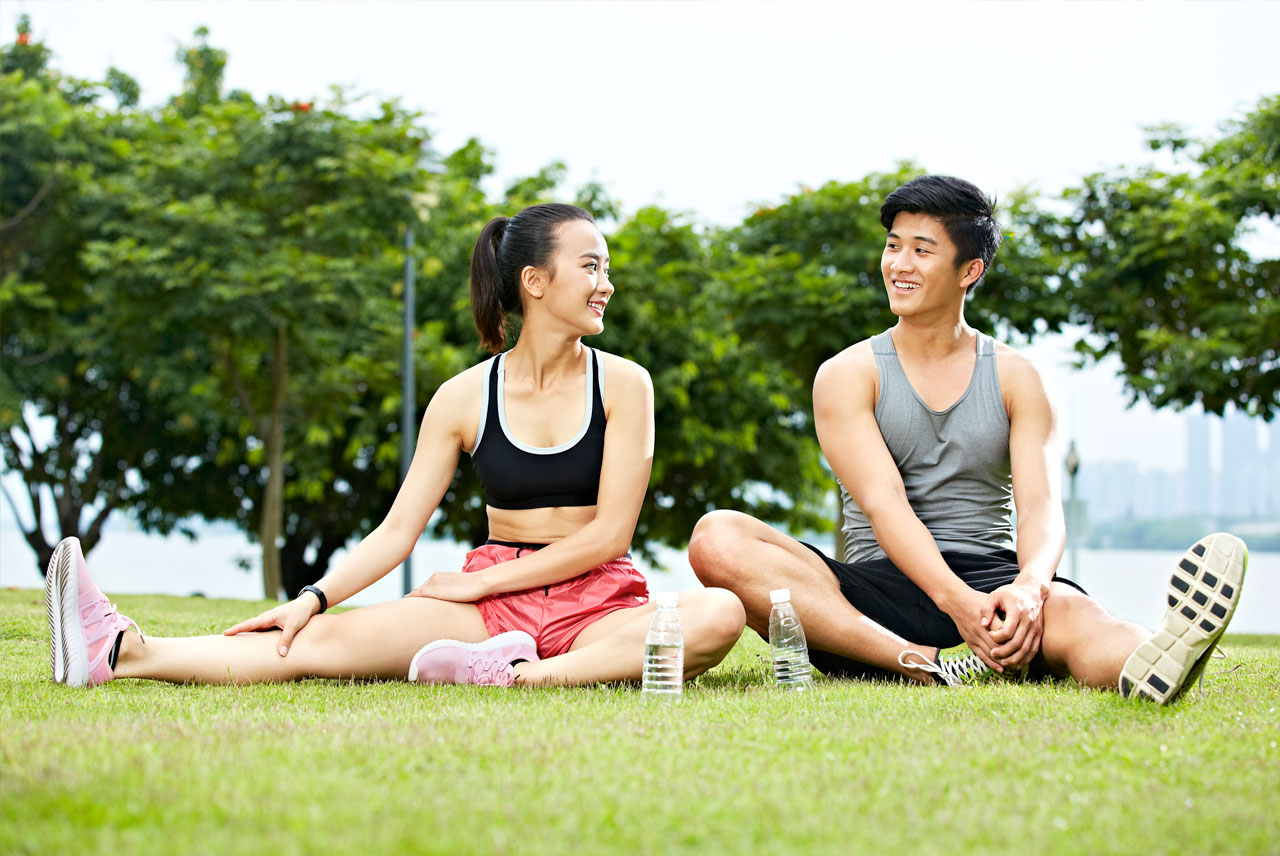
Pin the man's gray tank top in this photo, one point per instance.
(954, 463)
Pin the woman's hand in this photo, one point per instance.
(451, 585)
(289, 618)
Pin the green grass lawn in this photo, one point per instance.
(736, 767)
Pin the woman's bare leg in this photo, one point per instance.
(368, 642)
(612, 649)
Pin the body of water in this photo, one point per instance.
(1129, 583)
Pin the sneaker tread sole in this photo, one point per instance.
(1202, 596)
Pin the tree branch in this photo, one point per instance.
(35, 536)
(30, 207)
(13, 505)
(93, 532)
(31, 452)
(37, 359)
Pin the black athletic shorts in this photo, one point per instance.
(888, 597)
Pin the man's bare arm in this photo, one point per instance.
(844, 409)
(1033, 455)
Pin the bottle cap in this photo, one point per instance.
(780, 596)
(666, 599)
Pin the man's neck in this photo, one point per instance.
(932, 340)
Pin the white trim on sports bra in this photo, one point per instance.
(502, 410)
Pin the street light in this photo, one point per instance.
(408, 384)
(1073, 521)
(408, 399)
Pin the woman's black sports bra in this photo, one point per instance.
(518, 476)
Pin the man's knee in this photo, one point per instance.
(1068, 607)
(1071, 618)
(716, 545)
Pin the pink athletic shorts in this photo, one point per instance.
(554, 615)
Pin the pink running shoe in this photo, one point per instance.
(83, 624)
(487, 663)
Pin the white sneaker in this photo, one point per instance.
(1202, 597)
(955, 667)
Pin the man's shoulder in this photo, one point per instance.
(1020, 378)
(857, 358)
(1017, 365)
(849, 377)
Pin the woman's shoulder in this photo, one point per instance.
(463, 388)
(623, 371)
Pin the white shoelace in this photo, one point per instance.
(952, 672)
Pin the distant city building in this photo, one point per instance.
(1246, 487)
(1110, 489)
(1200, 486)
(1241, 486)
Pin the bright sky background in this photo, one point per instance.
(713, 107)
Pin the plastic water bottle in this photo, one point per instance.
(664, 651)
(787, 644)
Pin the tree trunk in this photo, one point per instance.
(272, 519)
(295, 570)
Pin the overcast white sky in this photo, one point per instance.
(713, 107)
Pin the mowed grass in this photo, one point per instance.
(737, 767)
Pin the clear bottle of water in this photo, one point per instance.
(664, 651)
(787, 643)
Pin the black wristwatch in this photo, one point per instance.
(324, 601)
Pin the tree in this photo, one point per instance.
(1157, 270)
(87, 432)
(268, 235)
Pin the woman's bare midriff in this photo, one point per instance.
(538, 525)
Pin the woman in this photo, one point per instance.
(562, 438)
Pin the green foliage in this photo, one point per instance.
(144, 296)
(202, 86)
(266, 238)
(731, 425)
(1158, 273)
(79, 421)
(803, 277)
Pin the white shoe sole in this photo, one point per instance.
(1203, 593)
(511, 637)
(68, 653)
(53, 606)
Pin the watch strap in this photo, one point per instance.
(324, 601)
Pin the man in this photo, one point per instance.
(936, 434)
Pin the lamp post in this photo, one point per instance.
(1072, 463)
(409, 404)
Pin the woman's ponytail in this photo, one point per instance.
(507, 246)
(487, 299)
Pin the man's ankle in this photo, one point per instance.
(926, 654)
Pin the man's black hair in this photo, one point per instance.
(965, 212)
